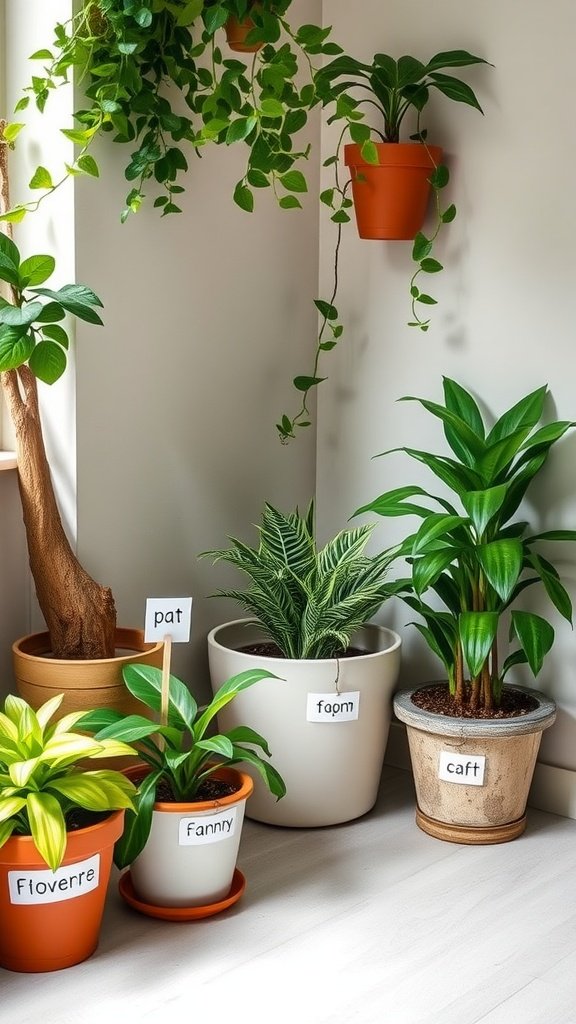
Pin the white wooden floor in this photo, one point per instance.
(367, 923)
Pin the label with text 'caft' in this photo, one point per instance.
(207, 828)
(66, 883)
(465, 769)
(333, 707)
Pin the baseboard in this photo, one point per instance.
(553, 789)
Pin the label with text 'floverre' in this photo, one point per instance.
(46, 886)
(207, 828)
(333, 707)
(465, 769)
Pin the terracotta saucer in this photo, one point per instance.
(181, 913)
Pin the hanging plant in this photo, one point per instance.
(156, 77)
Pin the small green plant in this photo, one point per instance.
(41, 783)
(394, 89)
(180, 752)
(309, 602)
(472, 556)
(156, 79)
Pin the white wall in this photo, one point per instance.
(208, 316)
(504, 323)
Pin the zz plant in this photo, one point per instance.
(180, 753)
(308, 601)
(469, 553)
(42, 783)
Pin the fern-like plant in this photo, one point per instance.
(309, 602)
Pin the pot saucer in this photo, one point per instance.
(128, 894)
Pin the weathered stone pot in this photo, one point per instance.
(472, 776)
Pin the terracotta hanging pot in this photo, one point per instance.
(86, 684)
(391, 197)
(236, 33)
(51, 920)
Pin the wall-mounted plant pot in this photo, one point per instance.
(472, 775)
(86, 684)
(391, 197)
(326, 722)
(51, 920)
(236, 34)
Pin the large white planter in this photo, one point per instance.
(332, 766)
(190, 855)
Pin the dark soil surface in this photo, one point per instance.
(78, 818)
(269, 650)
(211, 789)
(437, 699)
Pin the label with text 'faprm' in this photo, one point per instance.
(207, 828)
(66, 883)
(333, 707)
(465, 769)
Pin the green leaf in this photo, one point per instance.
(449, 214)
(88, 165)
(11, 131)
(47, 827)
(482, 506)
(47, 361)
(15, 348)
(289, 203)
(20, 316)
(37, 269)
(303, 383)
(294, 181)
(271, 108)
(535, 635)
(56, 333)
(41, 179)
(431, 266)
(328, 311)
(243, 197)
(369, 152)
(501, 561)
(477, 633)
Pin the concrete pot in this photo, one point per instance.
(331, 765)
(472, 776)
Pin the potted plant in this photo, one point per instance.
(181, 842)
(123, 54)
(59, 821)
(391, 176)
(327, 717)
(474, 738)
(80, 613)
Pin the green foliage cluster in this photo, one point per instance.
(31, 330)
(308, 601)
(155, 77)
(41, 782)
(179, 752)
(470, 554)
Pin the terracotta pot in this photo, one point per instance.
(330, 756)
(190, 856)
(472, 776)
(51, 920)
(391, 197)
(236, 32)
(85, 684)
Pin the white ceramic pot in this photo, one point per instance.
(331, 765)
(190, 855)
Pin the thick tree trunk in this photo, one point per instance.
(79, 613)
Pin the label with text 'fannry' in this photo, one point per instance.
(333, 707)
(207, 828)
(45, 886)
(465, 769)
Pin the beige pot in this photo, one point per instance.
(86, 684)
(472, 776)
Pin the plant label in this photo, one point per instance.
(333, 707)
(464, 769)
(207, 828)
(45, 886)
(168, 616)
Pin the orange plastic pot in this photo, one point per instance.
(236, 32)
(391, 197)
(51, 920)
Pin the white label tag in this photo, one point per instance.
(464, 769)
(333, 707)
(168, 616)
(66, 883)
(207, 828)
